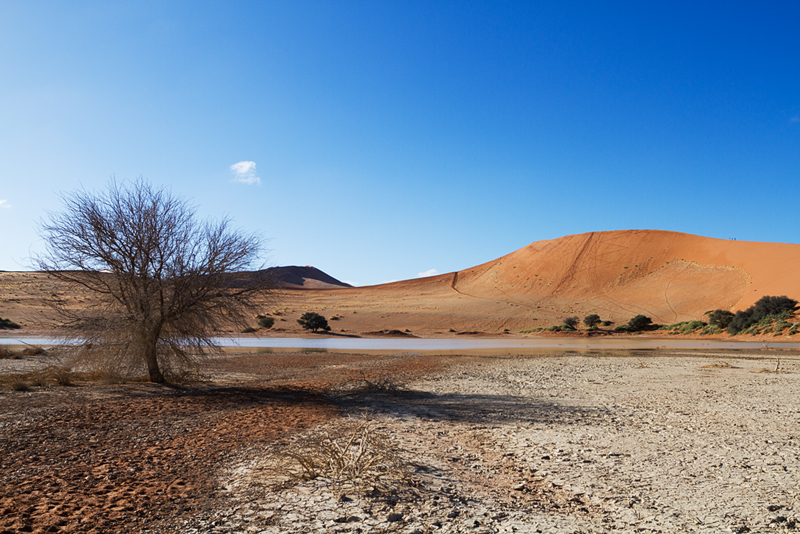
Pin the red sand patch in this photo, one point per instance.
(103, 458)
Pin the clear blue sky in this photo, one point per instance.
(394, 138)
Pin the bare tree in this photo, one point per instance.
(165, 280)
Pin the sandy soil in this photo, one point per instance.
(642, 441)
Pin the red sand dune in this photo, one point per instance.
(667, 276)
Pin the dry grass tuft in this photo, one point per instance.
(720, 365)
(772, 371)
(386, 383)
(382, 384)
(351, 453)
(18, 383)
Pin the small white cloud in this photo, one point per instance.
(244, 172)
(4, 203)
(429, 272)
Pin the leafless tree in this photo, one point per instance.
(165, 281)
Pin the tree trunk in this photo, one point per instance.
(151, 359)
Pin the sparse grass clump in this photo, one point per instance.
(781, 325)
(687, 327)
(531, 330)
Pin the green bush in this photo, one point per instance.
(591, 320)
(571, 322)
(639, 323)
(266, 322)
(553, 329)
(8, 324)
(691, 326)
(765, 310)
(720, 318)
(313, 321)
(753, 330)
(782, 325)
(248, 330)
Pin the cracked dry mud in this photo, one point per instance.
(656, 442)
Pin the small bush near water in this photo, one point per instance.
(591, 320)
(265, 321)
(313, 321)
(8, 324)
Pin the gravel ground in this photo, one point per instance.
(568, 443)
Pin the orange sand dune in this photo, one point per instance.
(667, 276)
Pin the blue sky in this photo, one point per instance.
(381, 140)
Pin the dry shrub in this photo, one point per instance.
(352, 452)
(388, 383)
(720, 365)
(10, 354)
(382, 384)
(115, 363)
(776, 370)
(30, 350)
(18, 383)
(62, 376)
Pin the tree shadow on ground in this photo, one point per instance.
(222, 397)
(472, 408)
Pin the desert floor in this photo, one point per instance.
(633, 441)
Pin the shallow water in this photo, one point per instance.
(420, 344)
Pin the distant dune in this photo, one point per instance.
(304, 278)
(294, 277)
